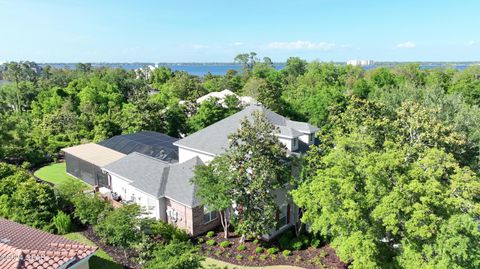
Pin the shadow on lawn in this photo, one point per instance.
(101, 263)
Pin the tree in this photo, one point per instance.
(119, 227)
(386, 191)
(214, 188)
(247, 60)
(258, 165)
(89, 208)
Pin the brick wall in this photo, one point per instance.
(190, 219)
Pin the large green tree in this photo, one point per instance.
(390, 191)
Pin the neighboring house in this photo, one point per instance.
(25, 247)
(163, 186)
(244, 100)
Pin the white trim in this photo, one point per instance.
(119, 176)
(196, 150)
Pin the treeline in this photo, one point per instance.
(45, 109)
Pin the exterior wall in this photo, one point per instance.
(282, 198)
(183, 213)
(190, 219)
(83, 170)
(186, 154)
(305, 138)
(287, 142)
(199, 226)
(127, 192)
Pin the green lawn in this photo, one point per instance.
(212, 263)
(55, 173)
(100, 259)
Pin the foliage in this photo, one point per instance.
(211, 242)
(259, 249)
(120, 226)
(241, 247)
(210, 234)
(388, 182)
(286, 253)
(62, 223)
(167, 232)
(272, 251)
(176, 255)
(89, 207)
(225, 244)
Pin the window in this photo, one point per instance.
(295, 144)
(283, 216)
(209, 215)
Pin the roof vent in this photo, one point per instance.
(4, 240)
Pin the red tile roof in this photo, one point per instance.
(25, 247)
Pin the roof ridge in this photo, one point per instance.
(150, 157)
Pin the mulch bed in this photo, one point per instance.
(311, 258)
(116, 253)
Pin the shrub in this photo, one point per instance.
(210, 234)
(256, 241)
(228, 254)
(241, 247)
(297, 244)
(263, 257)
(259, 250)
(284, 242)
(272, 251)
(166, 231)
(315, 243)
(287, 253)
(88, 208)
(118, 228)
(62, 223)
(176, 255)
(211, 242)
(200, 240)
(298, 259)
(239, 257)
(225, 244)
(218, 253)
(26, 165)
(251, 258)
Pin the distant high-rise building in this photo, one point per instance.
(360, 62)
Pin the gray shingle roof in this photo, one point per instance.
(179, 186)
(147, 174)
(158, 178)
(214, 138)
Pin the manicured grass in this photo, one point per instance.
(100, 259)
(212, 263)
(55, 173)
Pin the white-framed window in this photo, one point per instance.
(283, 216)
(295, 144)
(209, 215)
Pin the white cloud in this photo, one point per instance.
(471, 43)
(406, 45)
(236, 44)
(301, 45)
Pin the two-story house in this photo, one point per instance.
(165, 188)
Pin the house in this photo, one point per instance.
(25, 247)
(244, 100)
(163, 186)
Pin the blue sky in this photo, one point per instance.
(215, 31)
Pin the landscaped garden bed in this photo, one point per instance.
(261, 253)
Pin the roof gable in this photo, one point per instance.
(214, 138)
